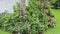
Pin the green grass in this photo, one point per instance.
(55, 30)
(4, 32)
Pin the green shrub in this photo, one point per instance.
(34, 21)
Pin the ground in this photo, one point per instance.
(3, 32)
(55, 30)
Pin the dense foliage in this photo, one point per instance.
(32, 23)
(56, 4)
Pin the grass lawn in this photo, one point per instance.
(55, 30)
(3, 32)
